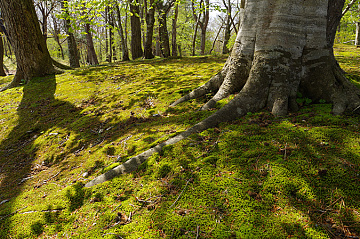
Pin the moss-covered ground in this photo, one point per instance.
(257, 177)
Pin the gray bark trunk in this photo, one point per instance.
(74, 57)
(150, 21)
(281, 47)
(2, 71)
(91, 57)
(124, 47)
(174, 33)
(136, 48)
(163, 31)
(227, 32)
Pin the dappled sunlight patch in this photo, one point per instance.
(256, 177)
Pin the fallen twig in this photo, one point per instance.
(13, 213)
(187, 182)
(118, 236)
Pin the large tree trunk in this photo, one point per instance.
(32, 56)
(136, 49)
(282, 47)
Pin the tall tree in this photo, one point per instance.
(150, 22)
(227, 30)
(32, 56)
(163, 10)
(276, 55)
(281, 48)
(136, 48)
(174, 32)
(2, 70)
(45, 7)
(204, 9)
(123, 38)
(74, 56)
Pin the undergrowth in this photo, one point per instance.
(257, 177)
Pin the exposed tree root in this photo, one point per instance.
(60, 65)
(212, 85)
(272, 82)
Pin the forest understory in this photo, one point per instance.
(256, 177)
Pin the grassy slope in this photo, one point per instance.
(258, 177)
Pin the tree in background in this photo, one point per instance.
(150, 23)
(136, 48)
(201, 16)
(163, 10)
(74, 57)
(32, 56)
(123, 37)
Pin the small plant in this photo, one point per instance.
(302, 100)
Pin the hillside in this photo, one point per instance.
(257, 177)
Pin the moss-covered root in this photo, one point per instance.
(239, 106)
(133, 163)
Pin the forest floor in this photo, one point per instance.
(256, 177)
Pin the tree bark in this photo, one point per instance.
(357, 37)
(2, 71)
(202, 23)
(227, 31)
(163, 10)
(163, 31)
(281, 48)
(74, 56)
(174, 33)
(124, 47)
(150, 22)
(32, 56)
(91, 57)
(136, 49)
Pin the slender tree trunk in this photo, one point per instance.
(216, 37)
(2, 71)
(174, 34)
(32, 56)
(74, 56)
(150, 22)
(124, 47)
(91, 54)
(107, 54)
(163, 31)
(158, 45)
(111, 40)
(203, 23)
(194, 39)
(357, 37)
(227, 32)
(136, 49)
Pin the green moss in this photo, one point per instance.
(257, 177)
